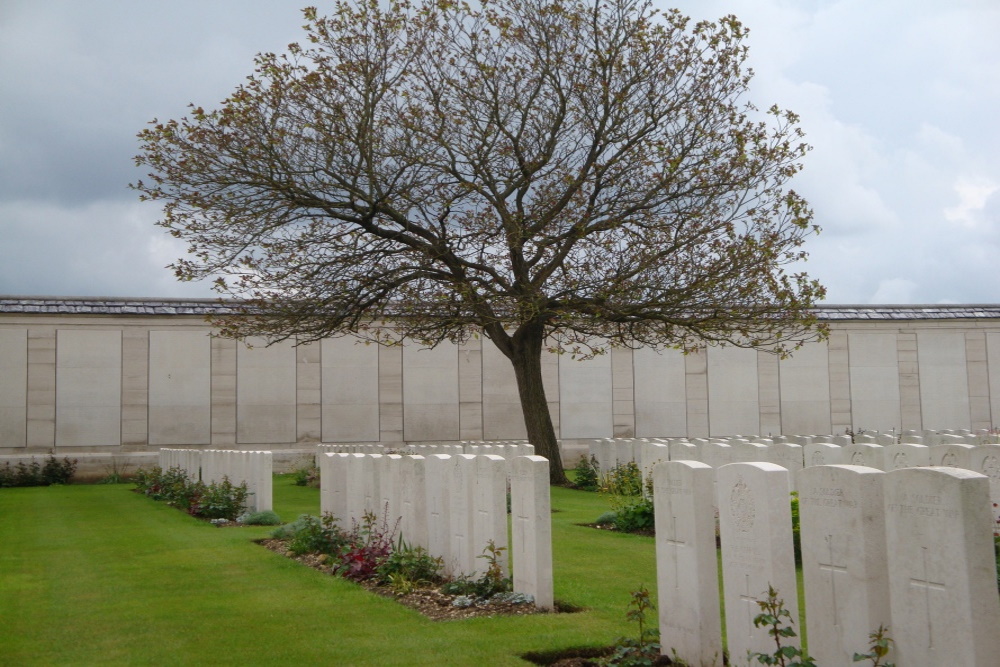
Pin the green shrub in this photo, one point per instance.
(307, 476)
(587, 474)
(37, 474)
(637, 517)
(218, 500)
(409, 564)
(262, 518)
(607, 519)
(630, 498)
(311, 534)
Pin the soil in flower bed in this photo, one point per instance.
(430, 602)
(580, 657)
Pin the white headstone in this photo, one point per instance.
(942, 568)
(906, 455)
(953, 455)
(789, 456)
(755, 525)
(824, 453)
(437, 473)
(686, 563)
(531, 529)
(681, 450)
(844, 569)
(413, 499)
(490, 519)
(463, 498)
(865, 454)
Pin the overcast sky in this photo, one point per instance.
(900, 99)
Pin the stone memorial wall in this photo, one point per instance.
(126, 376)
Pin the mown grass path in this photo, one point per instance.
(99, 575)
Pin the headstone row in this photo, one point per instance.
(453, 506)
(984, 459)
(910, 550)
(212, 465)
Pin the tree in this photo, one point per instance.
(568, 173)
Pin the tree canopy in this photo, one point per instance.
(541, 172)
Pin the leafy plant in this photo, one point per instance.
(307, 476)
(490, 583)
(587, 474)
(369, 544)
(779, 621)
(311, 534)
(413, 564)
(643, 649)
(637, 517)
(37, 474)
(219, 500)
(879, 648)
(630, 498)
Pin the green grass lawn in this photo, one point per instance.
(100, 575)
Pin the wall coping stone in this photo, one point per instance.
(143, 306)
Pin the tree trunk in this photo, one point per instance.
(524, 349)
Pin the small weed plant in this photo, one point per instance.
(117, 472)
(778, 620)
(34, 473)
(491, 583)
(880, 646)
(644, 648)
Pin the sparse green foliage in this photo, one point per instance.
(490, 583)
(643, 649)
(411, 565)
(879, 648)
(117, 472)
(540, 174)
(587, 474)
(779, 622)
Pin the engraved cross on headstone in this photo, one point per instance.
(673, 541)
(751, 603)
(927, 585)
(833, 569)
